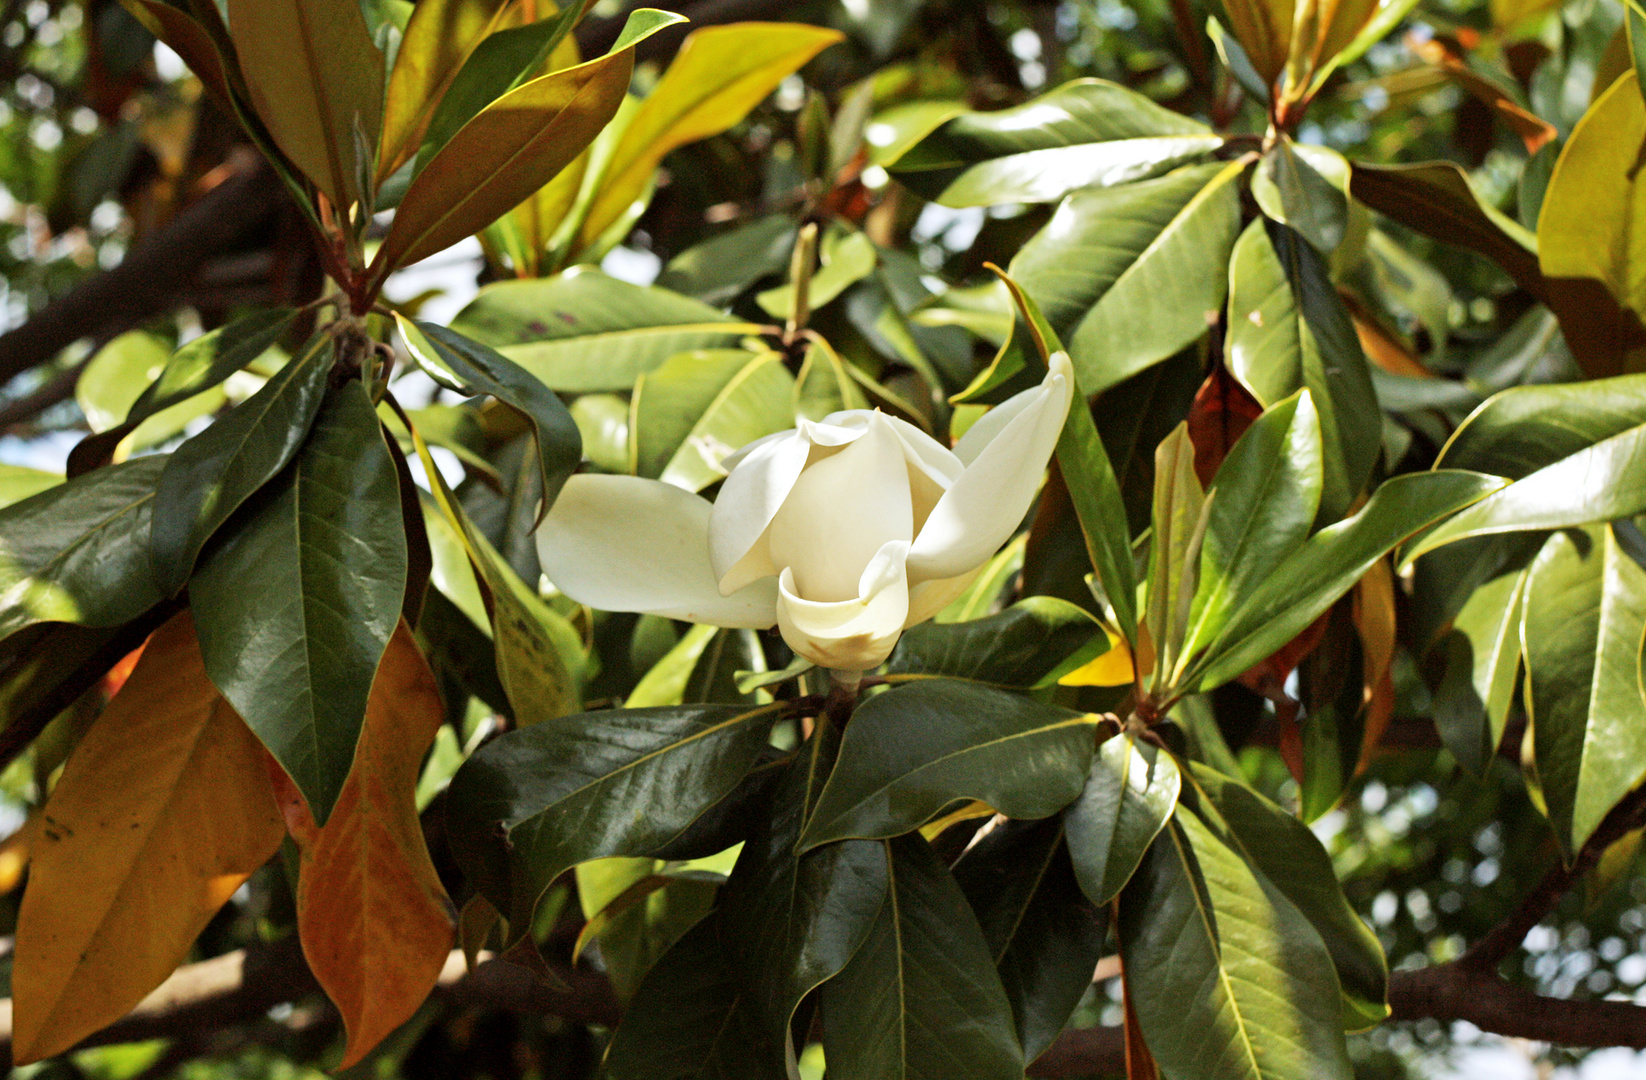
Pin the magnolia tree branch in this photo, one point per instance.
(152, 275)
(239, 988)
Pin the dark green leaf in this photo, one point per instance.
(539, 800)
(1287, 853)
(690, 1020)
(1227, 977)
(793, 921)
(1128, 275)
(296, 603)
(211, 474)
(915, 749)
(201, 364)
(1033, 643)
(1044, 934)
(78, 551)
(483, 370)
(1267, 494)
(895, 1011)
(1328, 565)
(1129, 796)
(1289, 330)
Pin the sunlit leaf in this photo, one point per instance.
(316, 80)
(163, 810)
(509, 149)
(77, 552)
(719, 74)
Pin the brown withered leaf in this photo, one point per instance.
(162, 811)
(375, 922)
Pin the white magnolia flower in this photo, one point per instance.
(842, 533)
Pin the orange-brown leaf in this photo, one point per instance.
(162, 811)
(376, 924)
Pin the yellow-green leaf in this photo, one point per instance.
(1264, 30)
(375, 922)
(1593, 223)
(511, 148)
(163, 810)
(316, 81)
(439, 38)
(720, 73)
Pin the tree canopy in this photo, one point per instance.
(1064, 538)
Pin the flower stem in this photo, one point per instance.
(842, 699)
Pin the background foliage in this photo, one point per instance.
(1346, 543)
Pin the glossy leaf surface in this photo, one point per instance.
(1033, 643)
(1128, 798)
(1287, 853)
(792, 921)
(1227, 977)
(196, 367)
(887, 1015)
(213, 473)
(297, 604)
(537, 801)
(1267, 494)
(1085, 133)
(915, 749)
(1329, 563)
(482, 369)
(1126, 274)
(1045, 936)
(1581, 628)
(1288, 330)
(584, 331)
(78, 551)
(690, 1020)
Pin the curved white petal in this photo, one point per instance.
(849, 635)
(841, 511)
(748, 499)
(929, 597)
(623, 543)
(982, 508)
(993, 422)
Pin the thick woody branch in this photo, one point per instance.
(239, 988)
(148, 280)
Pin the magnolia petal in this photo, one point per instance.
(849, 635)
(983, 508)
(841, 511)
(748, 500)
(929, 597)
(624, 543)
(993, 422)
